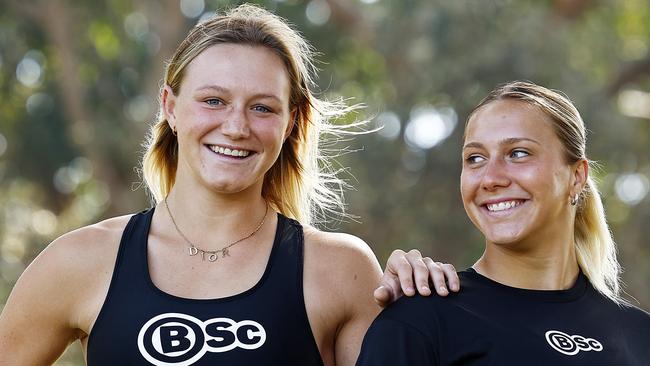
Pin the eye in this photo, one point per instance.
(213, 102)
(262, 109)
(474, 159)
(518, 153)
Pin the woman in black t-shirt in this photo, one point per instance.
(546, 289)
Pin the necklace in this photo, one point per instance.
(212, 255)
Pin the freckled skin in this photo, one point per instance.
(237, 113)
(514, 153)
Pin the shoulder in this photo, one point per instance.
(418, 312)
(428, 313)
(70, 274)
(405, 333)
(634, 315)
(395, 343)
(86, 246)
(346, 252)
(80, 254)
(339, 243)
(634, 318)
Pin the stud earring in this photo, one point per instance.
(574, 200)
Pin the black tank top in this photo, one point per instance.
(140, 324)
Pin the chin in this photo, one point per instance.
(503, 236)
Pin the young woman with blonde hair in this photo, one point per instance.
(546, 290)
(226, 268)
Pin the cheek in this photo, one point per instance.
(468, 186)
(272, 132)
(196, 121)
(546, 180)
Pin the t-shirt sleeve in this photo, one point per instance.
(395, 343)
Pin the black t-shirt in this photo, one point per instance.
(488, 323)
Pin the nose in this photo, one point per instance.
(236, 124)
(494, 175)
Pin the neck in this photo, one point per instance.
(211, 220)
(548, 265)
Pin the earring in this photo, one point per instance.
(574, 200)
(174, 131)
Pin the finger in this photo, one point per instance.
(437, 277)
(405, 275)
(420, 272)
(382, 296)
(451, 275)
(389, 290)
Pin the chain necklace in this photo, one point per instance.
(212, 255)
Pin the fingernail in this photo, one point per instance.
(443, 289)
(410, 290)
(454, 287)
(425, 288)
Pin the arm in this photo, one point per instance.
(58, 297)
(37, 322)
(402, 268)
(362, 309)
(341, 273)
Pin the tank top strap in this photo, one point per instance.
(285, 264)
(131, 262)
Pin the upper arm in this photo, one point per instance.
(344, 274)
(57, 297)
(36, 324)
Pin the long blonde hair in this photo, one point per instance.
(594, 245)
(301, 184)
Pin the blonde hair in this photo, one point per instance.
(301, 184)
(595, 247)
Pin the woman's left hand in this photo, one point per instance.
(402, 268)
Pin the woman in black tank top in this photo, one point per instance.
(226, 268)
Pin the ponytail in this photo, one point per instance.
(595, 247)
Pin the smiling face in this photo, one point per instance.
(232, 115)
(516, 181)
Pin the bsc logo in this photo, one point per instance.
(175, 339)
(571, 344)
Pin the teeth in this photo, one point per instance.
(229, 152)
(502, 205)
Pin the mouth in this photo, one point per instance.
(503, 206)
(231, 152)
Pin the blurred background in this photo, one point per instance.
(79, 87)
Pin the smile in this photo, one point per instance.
(236, 153)
(503, 205)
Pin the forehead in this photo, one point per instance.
(252, 69)
(510, 118)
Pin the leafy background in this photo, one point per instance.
(79, 83)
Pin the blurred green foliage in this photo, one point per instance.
(79, 86)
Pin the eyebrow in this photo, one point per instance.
(225, 90)
(507, 141)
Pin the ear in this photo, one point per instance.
(292, 121)
(579, 175)
(169, 105)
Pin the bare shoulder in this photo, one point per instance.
(75, 269)
(341, 259)
(338, 246)
(86, 247)
(71, 276)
